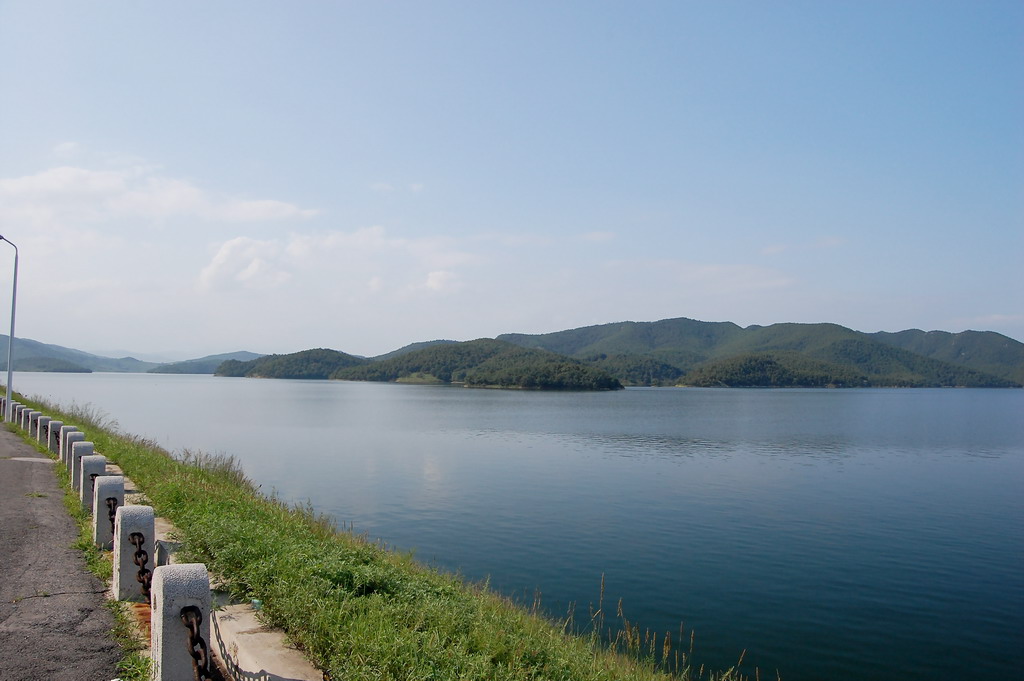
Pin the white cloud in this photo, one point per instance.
(338, 263)
(247, 262)
(67, 150)
(382, 187)
(69, 194)
(441, 281)
(598, 237)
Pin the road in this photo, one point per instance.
(53, 621)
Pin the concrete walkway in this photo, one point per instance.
(53, 621)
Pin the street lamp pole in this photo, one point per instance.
(10, 340)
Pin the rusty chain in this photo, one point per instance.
(112, 513)
(145, 576)
(192, 618)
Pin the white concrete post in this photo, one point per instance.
(64, 432)
(53, 439)
(176, 589)
(24, 417)
(33, 422)
(130, 520)
(42, 428)
(67, 441)
(78, 450)
(19, 414)
(92, 467)
(106, 487)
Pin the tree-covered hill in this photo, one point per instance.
(203, 365)
(484, 362)
(984, 351)
(783, 369)
(319, 363)
(28, 349)
(48, 364)
(404, 350)
(689, 351)
(673, 337)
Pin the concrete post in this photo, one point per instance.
(92, 467)
(42, 428)
(67, 442)
(19, 414)
(64, 432)
(33, 422)
(78, 450)
(105, 488)
(129, 520)
(53, 439)
(24, 417)
(176, 590)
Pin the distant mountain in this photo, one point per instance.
(484, 363)
(319, 363)
(48, 364)
(691, 352)
(26, 350)
(203, 365)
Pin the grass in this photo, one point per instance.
(355, 609)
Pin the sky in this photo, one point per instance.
(189, 178)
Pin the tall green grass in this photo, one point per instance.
(357, 610)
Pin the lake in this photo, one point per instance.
(830, 534)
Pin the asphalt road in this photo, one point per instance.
(53, 621)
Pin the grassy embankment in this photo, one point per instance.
(358, 611)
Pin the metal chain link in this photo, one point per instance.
(192, 618)
(112, 513)
(145, 576)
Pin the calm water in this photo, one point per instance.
(831, 534)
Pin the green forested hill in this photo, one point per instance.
(203, 365)
(668, 337)
(984, 351)
(484, 362)
(691, 352)
(783, 369)
(411, 348)
(312, 364)
(49, 364)
(28, 354)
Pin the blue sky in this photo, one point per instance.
(192, 177)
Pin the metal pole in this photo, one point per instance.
(10, 339)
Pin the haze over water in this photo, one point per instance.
(831, 534)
